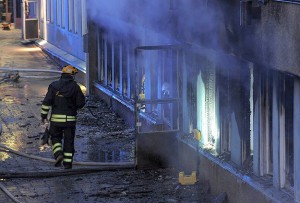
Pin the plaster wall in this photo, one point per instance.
(274, 37)
(66, 41)
(224, 178)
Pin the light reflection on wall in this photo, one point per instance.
(201, 119)
(206, 109)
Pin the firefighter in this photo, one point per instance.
(64, 98)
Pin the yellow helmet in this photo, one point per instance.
(70, 70)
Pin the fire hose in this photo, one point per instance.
(8, 193)
(98, 166)
(17, 70)
(101, 166)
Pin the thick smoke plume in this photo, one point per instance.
(156, 18)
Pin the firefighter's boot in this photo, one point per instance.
(68, 159)
(59, 160)
(58, 153)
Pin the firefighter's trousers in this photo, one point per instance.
(63, 142)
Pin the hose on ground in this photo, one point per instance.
(31, 71)
(40, 77)
(75, 163)
(101, 166)
(8, 193)
(60, 172)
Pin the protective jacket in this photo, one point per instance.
(64, 98)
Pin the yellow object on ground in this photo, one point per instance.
(197, 134)
(187, 179)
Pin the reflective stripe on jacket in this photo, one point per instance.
(64, 97)
(62, 118)
(44, 111)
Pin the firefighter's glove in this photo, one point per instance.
(44, 120)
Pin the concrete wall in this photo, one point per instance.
(125, 110)
(222, 177)
(272, 37)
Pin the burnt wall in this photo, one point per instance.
(223, 178)
(271, 39)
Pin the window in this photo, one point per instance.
(58, 12)
(63, 13)
(109, 62)
(48, 10)
(84, 17)
(101, 55)
(71, 15)
(289, 135)
(124, 68)
(117, 58)
(75, 16)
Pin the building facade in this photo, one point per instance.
(232, 66)
(225, 72)
(59, 27)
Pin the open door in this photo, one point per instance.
(158, 105)
(31, 24)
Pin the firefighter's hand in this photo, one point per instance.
(44, 120)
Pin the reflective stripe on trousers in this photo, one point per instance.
(68, 157)
(57, 149)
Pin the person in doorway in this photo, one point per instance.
(64, 97)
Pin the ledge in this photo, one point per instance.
(62, 55)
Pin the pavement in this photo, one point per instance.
(104, 159)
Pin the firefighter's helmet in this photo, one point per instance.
(70, 70)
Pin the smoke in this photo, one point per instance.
(157, 21)
(127, 17)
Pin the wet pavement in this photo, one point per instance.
(101, 136)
